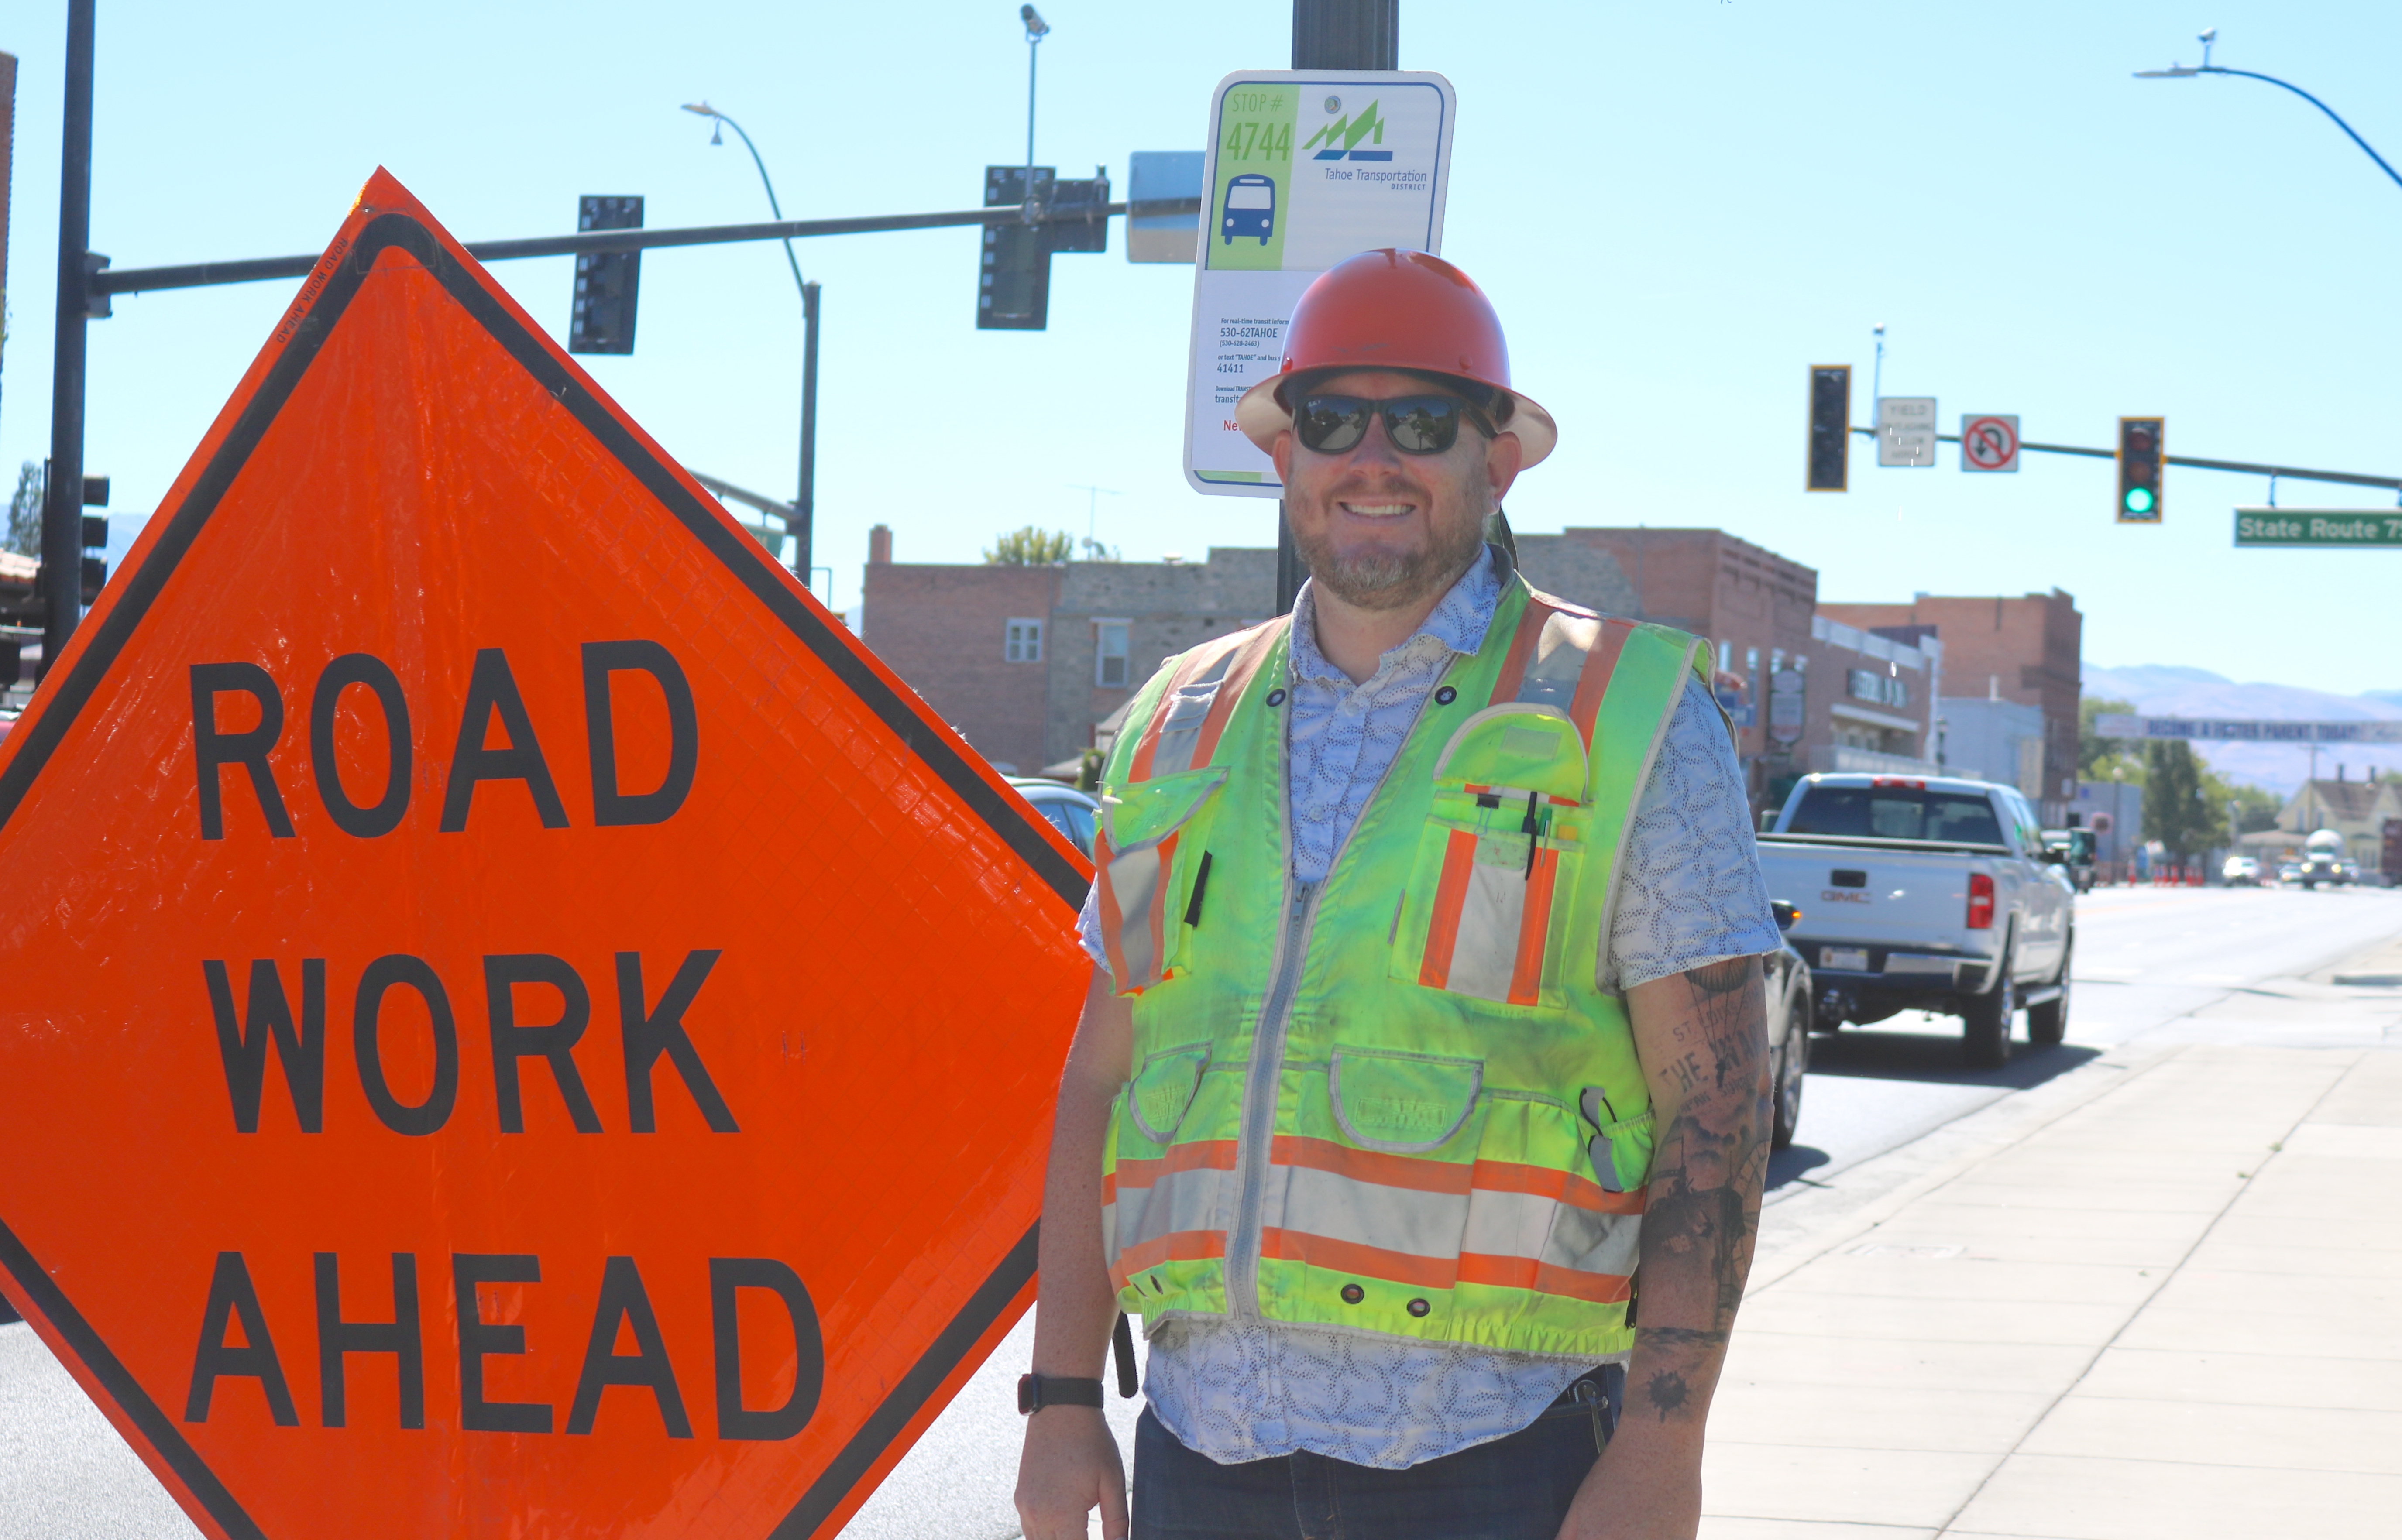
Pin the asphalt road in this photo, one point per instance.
(2167, 960)
(2160, 965)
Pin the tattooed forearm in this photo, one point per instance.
(1704, 1041)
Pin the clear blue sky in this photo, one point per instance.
(1678, 208)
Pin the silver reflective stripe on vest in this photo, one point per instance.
(1130, 886)
(1590, 1242)
(1485, 1221)
(1182, 714)
(1173, 1202)
(1557, 660)
(1492, 912)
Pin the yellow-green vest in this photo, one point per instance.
(1398, 1101)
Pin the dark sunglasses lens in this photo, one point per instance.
(1330, 424)
(1422, 425)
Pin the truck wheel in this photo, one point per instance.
(2047, 1023)
(1986, 1021)
(1792, 1063)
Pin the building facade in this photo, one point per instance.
(2361, 811)
(1024, 661)
(2026, 651)
(1866, 703)
(1033, 664)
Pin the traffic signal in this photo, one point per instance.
(1013, 284)
(96, 537)
(1830, 427)
(607, 283)
(2141, 456)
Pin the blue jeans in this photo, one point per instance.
(1517, 1488)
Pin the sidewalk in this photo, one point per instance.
(2165, 1304)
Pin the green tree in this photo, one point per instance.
(1030, 547)
(2098, 756)
(2176, 811)
(2255, 806)
(25, 535)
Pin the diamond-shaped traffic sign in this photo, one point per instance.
(517, 1021)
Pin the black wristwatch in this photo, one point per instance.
(1037, 1391)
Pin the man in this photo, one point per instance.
(1426, 1030)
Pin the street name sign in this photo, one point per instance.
(1906, 429)
(2325, 528)
(1989, 441)
(518, 1023)
(1305, 167)
(2245, 730)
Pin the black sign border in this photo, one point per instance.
(140, 588)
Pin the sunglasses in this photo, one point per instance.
(1415, 424)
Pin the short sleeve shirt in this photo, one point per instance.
(1690, 894)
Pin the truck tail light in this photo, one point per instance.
(1981, 902)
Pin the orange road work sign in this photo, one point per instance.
(516, 1021)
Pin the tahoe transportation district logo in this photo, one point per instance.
(1342, 137)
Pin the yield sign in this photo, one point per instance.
(1989, 442)
(516, 1021)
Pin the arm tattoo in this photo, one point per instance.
(1702, 1210)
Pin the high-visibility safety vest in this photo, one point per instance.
(1399, 1100)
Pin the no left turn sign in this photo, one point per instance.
(1989, 443)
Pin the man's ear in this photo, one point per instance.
(1502, 457)
(1281, 452)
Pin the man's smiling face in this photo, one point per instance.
(1382, 529)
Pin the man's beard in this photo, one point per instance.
(1381, 579)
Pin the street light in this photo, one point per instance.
(1037, 29)
(2179, 72)
(802, 521)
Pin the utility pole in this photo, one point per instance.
(805, 508)
(1333, 35)
(62, 499)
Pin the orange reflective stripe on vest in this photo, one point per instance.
(1490, 922)
(1182, 732)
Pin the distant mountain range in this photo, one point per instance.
(2165, 690)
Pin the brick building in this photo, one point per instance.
(1024, 661)
(1029, 663)
(2024, 650)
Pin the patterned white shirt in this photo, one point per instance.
(1690, 894)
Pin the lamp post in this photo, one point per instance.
(1037, 29)
(801, 523)
(2179, 72)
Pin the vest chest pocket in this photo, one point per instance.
(1156, 1098)
(1150, 848)
(1487, 903)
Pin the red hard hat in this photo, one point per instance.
(1395, 310)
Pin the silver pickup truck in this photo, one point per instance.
(1926, 895)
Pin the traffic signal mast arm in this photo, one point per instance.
(2348, 478)
(198, 274)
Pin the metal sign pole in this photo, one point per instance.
(804, 520)
(62, 499)
(1333, 35)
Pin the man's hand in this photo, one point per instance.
(1702, 1038)
(1069, 1463)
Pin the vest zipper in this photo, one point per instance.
(1260, 1100)
(1284, 981)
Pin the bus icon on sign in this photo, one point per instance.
(1250, 208)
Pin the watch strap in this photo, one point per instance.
(1037, 1391)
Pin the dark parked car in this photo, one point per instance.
(1065, 808)
(1790, 1013)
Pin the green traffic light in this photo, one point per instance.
(2139, 500)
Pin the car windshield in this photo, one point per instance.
(1895, 813)
(1253, 196)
